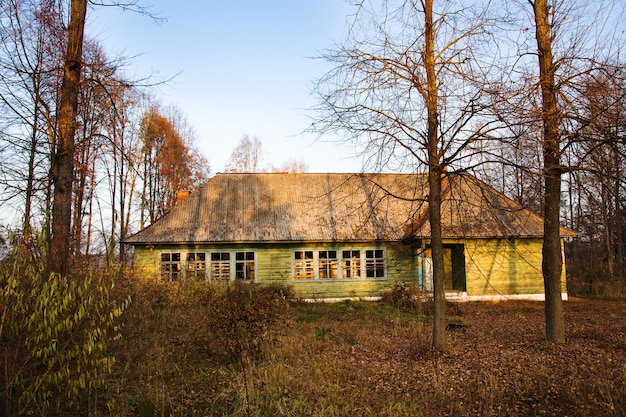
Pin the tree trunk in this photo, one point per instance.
(552, 263)
(30, 180)
(92, 187)
(619, 239)
(63, 160)
(434, 182)
(607, 217)
(78, 197)
(439, 293)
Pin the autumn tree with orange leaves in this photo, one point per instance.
(169, 165)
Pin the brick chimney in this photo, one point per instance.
(182, 195)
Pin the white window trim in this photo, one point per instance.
(233, 264)
(207, 260)
(181, 271)
(316, 264)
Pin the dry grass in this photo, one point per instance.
(370, 359)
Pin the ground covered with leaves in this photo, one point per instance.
(362, 359)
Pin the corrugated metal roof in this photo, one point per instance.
(271, 207)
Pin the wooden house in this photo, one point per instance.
(336, 236)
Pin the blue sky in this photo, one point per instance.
(246, 67)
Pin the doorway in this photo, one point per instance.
(453, 265)
(457, 258)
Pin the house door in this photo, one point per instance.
(458, 267)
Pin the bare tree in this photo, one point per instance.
(63, 160)
(247, 156)
(552, 264)
(408, 85)
(292, 167)
(596, 188)
(604, 160)
(516, 168)
(121, 162)
(29, 57)
(570, 41)
(92, 116)
(430, 94)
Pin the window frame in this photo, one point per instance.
(171, 270)
(192, 268)
(245, 268)
(332, 264)
(221, 268)
(303, 268)
(196, 268)
(375, 263)
(348, 268)
(328, 264)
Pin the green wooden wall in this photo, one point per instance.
(500, 267)
(493, 267)
(275, 265)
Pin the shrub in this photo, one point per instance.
(406, 296)
(54, 333)
(241, 316)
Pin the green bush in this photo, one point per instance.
(54, 333)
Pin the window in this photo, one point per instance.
(170, 266)
(196, 266)
(351, 263)
(338, 264)
(303, 265)
(375, 263)
(220, 266)
(244, 266)
(202, 266)
(328, 266)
